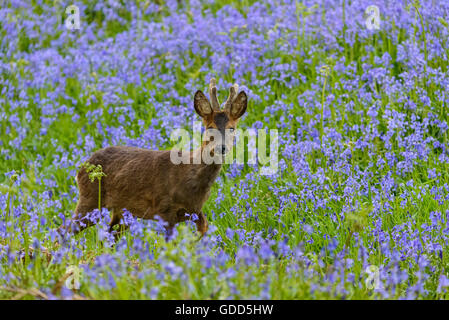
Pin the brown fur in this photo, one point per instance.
(147, 183)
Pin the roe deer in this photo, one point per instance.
(147, 183)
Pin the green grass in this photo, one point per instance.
(134, 276)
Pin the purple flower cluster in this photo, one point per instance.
(369, 192)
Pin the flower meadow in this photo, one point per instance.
(359, 206)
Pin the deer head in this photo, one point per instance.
(220, 124)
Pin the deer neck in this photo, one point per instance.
(203, 174)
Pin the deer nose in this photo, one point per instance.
(223, 149)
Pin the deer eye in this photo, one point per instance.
(231, 129)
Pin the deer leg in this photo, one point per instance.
(169, 231)
(115, 220)
(201, 224)
(80, 222)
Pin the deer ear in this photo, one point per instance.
(201, 104)
(239, 104)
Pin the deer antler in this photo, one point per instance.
(232, 95)
(213, 95)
